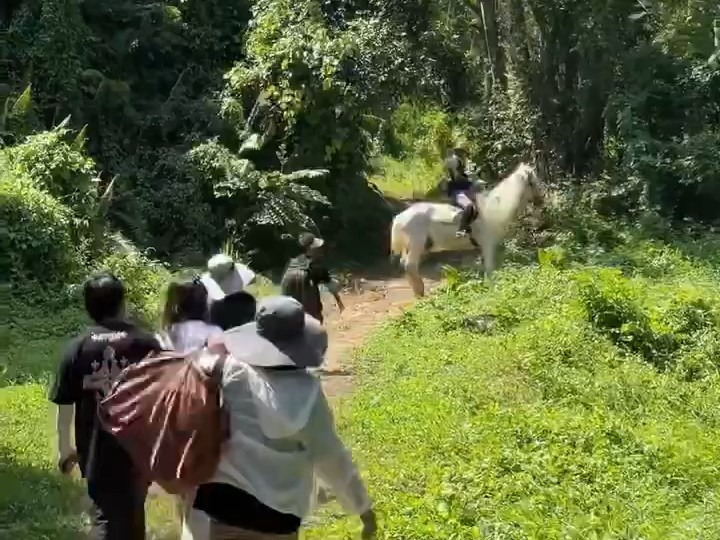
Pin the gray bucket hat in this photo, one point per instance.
(281, 335)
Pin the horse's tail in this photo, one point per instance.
(397, 240)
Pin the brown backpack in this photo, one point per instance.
(166, 412)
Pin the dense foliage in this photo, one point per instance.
(215, 118)
(201, 110)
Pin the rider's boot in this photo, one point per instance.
(464, 228)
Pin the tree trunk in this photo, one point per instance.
(497, 60)
(486, 13)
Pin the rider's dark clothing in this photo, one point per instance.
(458, 182)
(457, 179)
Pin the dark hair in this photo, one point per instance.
(185, 301)
(104, 296)
(234, 310)
(305, 240)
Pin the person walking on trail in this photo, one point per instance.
(459, 189)
(304, 275)
(87, 369)
(185, 316)
(234, 310)
(282, 434)
(225, 276)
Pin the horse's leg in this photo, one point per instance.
(412, 269)
(488, 245)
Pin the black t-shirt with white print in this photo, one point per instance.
(90, 364)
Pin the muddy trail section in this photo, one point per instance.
(368, 304)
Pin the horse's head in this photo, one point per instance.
(534, 189)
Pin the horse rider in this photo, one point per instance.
(459, 189)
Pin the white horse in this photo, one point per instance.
(430, 227)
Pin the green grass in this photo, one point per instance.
(34, 340)
(35, 501)
(406, 179)
(514, 413)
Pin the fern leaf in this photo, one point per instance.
(253, 142)
(64, 124)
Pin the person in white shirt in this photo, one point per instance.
(185, 316)
(283, 435)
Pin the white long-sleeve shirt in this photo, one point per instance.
(283, 437)
(187, 336)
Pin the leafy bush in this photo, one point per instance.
(661, 323)
(176, 215)
(264, 210)
(56, 166)
(423, 131)
(37, 236)
(409, 178)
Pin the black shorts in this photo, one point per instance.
(118, 511)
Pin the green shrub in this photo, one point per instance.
(54, 165)
(557, 414)
(420, 130)
(36, 238)
(669, 324)
(411, 178)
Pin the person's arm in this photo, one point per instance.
(322, 276)
(332, 286)
(334, 466)
(67, 456)
(65, 392)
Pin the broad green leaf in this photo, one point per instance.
(23, 102)
(64, 124)
(305, 174)
(253, 142)
(79, 141)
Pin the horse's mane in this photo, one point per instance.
(521, 172)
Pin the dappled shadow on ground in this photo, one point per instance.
(36, 503)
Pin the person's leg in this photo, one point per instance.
(118, 510)
(464, 202)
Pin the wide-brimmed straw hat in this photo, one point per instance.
(225, 276)
(281, 335)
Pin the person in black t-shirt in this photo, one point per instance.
(305, 273)
(87, 369)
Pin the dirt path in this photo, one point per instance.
(368, 303)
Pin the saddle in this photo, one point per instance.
(449, 213)
(446, 213)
